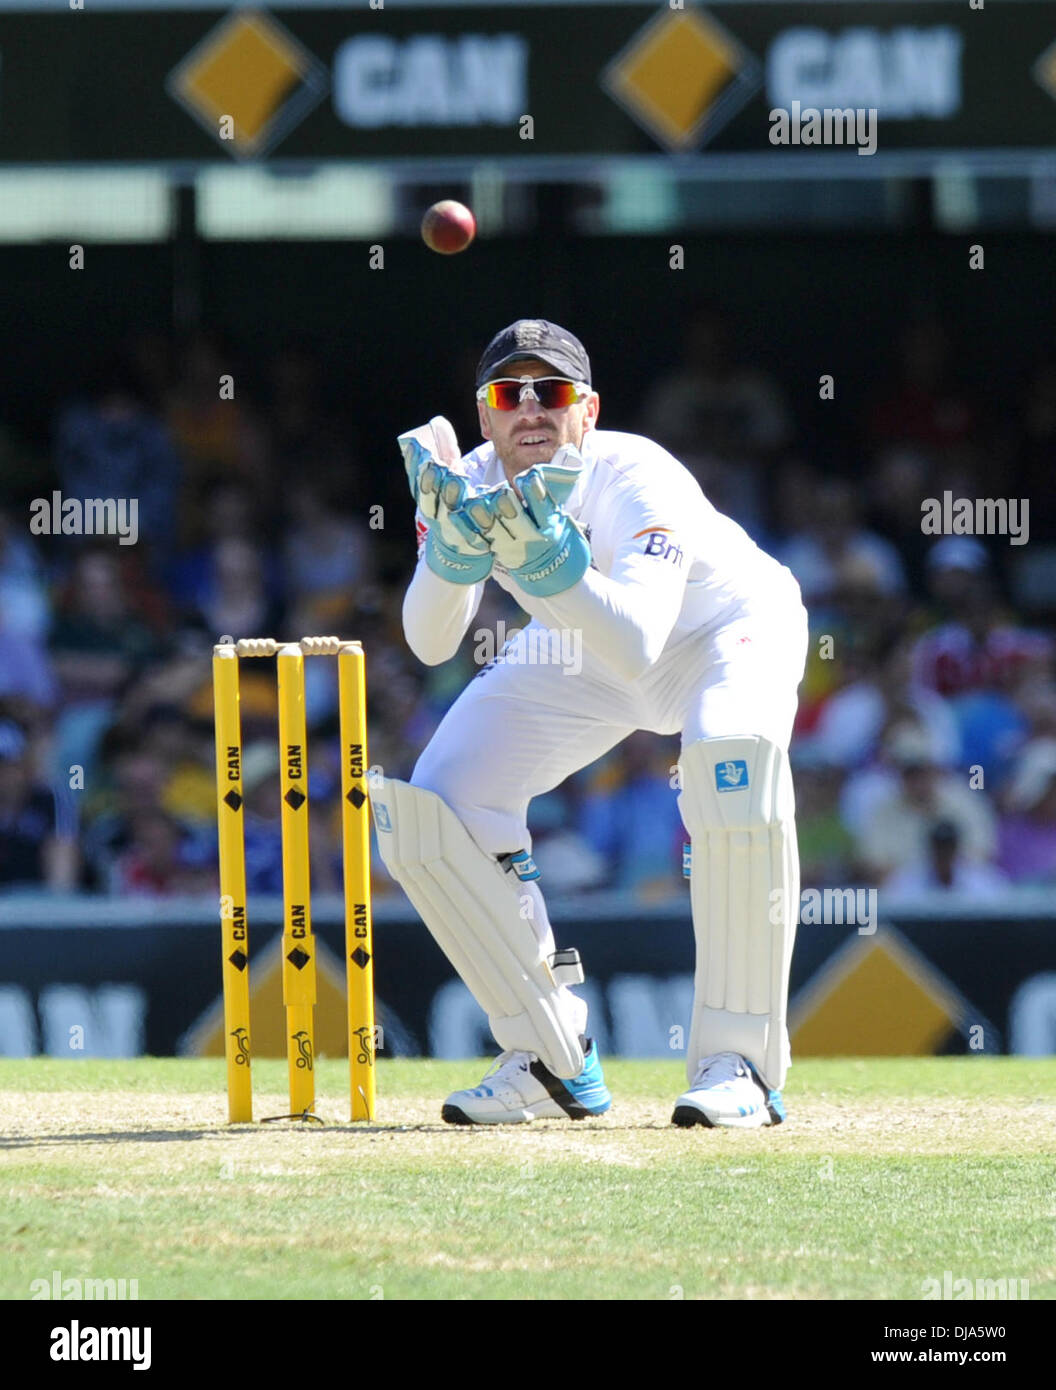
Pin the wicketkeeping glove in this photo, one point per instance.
(530, 534)
(453, 549)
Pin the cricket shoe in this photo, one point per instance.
(517, 1087)
(728, 1092)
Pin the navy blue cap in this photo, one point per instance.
(551, 344)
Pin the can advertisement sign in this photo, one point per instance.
(466, 80)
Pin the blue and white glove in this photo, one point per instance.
(453, 549)
(529, 533)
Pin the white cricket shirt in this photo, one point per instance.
(665, 562)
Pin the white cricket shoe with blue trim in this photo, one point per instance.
(517, 1087)
(728, 1092)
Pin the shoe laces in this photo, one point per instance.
(503, 1060)
(723, 1067)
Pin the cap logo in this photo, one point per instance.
(529, 334)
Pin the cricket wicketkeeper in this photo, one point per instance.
(686, 626)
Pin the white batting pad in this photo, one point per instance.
(737, 804)
(473, 909)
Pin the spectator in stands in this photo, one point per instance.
(1034, 447)
(235, 598)
(901, 476)
(1028, 828)
(186, 749)
(306, 439)
(97, 641)
(24, 599)
(851, 630)
(98, 646)
(835, 549)
(294, 411)
(112, 446)
(945, 870)
(218, 436)
(136, 782)
(25, 672)
(231, 511)
(401, 722)
(327, 559)
(726, 422)
(162, 860)
(38, 830)
(826, 847)
(1038, 704)
(630, 817)
(896, 830)
(979, 647)
(852, 723)
(924, 405)
(561, 853)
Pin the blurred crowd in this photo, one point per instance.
(925, 748)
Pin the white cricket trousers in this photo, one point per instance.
(522, 726)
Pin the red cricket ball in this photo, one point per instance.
(448, 227)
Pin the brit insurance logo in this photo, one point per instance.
(682, 78)
(248, 83)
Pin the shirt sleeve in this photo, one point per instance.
(627, 616)
(436, 613)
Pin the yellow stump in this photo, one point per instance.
(298, 943)
(232, 847)
(355, 833)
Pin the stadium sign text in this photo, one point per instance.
(476, 79)
(906, 74)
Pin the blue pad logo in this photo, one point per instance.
(523, 865)
(731, 776)
(381, 816)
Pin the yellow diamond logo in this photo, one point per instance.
(267, 1019)
(682, 78)
(877, 997)
(248, 83)
(1045, 71)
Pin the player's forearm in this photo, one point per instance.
(436, 615)
(627, 627)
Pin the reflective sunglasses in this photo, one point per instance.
(552, 392)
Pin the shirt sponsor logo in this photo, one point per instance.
(659, 542)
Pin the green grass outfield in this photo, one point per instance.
(887, 1173)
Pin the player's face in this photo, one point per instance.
(531, 434)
